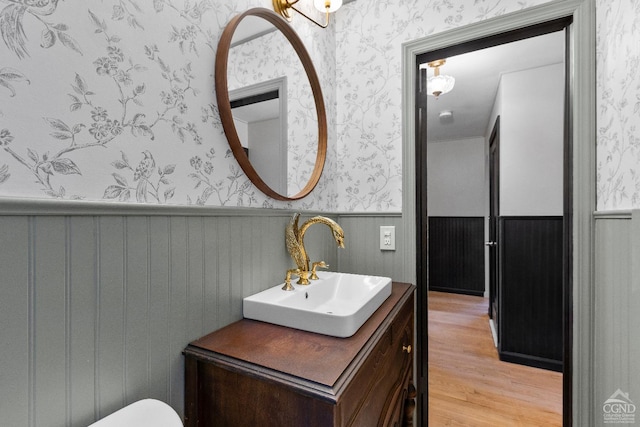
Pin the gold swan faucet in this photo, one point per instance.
(294, 239)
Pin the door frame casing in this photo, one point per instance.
(494, 213)
(581, 90)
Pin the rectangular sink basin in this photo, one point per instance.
(337, 304)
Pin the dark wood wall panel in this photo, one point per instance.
(530, 291)
(456, 254)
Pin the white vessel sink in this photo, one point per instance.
(337, 304)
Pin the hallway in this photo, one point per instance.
(469, 385)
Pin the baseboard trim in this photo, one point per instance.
(457, 291)
(494, 332)
(533, 361)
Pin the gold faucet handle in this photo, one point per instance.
(287, 279)
(315, 265)
(288, 286)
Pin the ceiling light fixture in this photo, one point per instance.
(283, 7)
(446, 116)
(439, 84)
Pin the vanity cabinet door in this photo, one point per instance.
(376, 395)
(402, 413)
(399, 414)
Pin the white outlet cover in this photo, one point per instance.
(387, 237)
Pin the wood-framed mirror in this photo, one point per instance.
(230, 124)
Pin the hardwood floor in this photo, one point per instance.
(469, 385)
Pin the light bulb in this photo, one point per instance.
(321, 5)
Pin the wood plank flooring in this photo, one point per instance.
(469, 385)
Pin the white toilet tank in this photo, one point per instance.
(143, 413)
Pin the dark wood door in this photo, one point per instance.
(494, 212)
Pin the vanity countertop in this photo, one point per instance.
(318, 358)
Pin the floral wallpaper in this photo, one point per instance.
(618, 94)
(113, 100)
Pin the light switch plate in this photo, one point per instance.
(387, 237)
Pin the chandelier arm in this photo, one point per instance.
(325, 25)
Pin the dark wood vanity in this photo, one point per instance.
(252, 373)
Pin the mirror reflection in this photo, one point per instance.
(272, 105)
(260, 116)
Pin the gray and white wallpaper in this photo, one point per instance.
(618, 92)
(112, 100)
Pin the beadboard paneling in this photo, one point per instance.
(97, 309)
(530, 290)
(16, 311)
(617, 310)
(456, 255)
(634, 309)
(362, 254)
(202, 273)
(82, 260)
(49, 326)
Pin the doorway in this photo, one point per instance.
(578, 17)
(523, 81)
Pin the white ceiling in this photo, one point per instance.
(258, 112)
(477, 76)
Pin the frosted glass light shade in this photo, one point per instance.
(438, 85)
(321, 5)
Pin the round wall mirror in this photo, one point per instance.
(271, 104)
